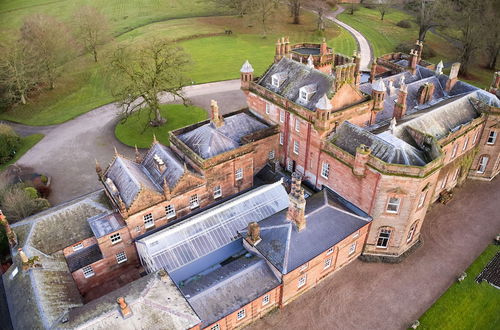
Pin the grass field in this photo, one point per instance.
(385, 35)
(132, 131)
(467, 305)
(26, 144)
(195, 24)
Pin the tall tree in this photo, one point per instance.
(263, 11)
(18, 71)
(92, 29)
(138, 75)
(320, 8)
(295, 6)
(383, 7)
(428, 15)
(491, 33)
(50, 42)
(239, 6)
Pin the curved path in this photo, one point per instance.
(363, 44)
(68, 151)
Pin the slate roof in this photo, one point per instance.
(104, 224)
(129, 177)
(297, 75)
(229, 287)
(327, 224)
(41, 296)
(209, 141)
(155, 301)
(203, 233)
(384, 146)
(491, 273)
(83, 257)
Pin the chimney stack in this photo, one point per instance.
(217, 119)
(288, 48)
(453, 77)
(425, 93)
(297, 206)
(24, 257)
(124, 309)
(373, 71)
(323, 50)
(360, 160)
(419, 49)
(278, 54)
(413, 61)
(253, 234)
(400, 106)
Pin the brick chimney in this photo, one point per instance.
(425, 93)
(11, 236)
(400, 105)
(288, 48)
(413, 61)
(216, 118)
(419, 48)
(297, 206)
(360, 160)
(495, 84)
(124, 309)
(277, 53)
(283, 47)
(253, 234)
(373, 71)
(23, 256)
(453, 77)
(323, 50)
(246, 75)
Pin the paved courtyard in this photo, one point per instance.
(391, 296)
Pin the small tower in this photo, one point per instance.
(439, 68)
(323, 108)
(297, 207)
(400, 106)
(246, 75)
(362, 156)
(378, 95)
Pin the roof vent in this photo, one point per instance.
(159, 163)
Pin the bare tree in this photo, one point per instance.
(320, 8)
(17, 203)
(50, 42)
(428, 15)
(295, 6)
(263, 11)
(491, 33)
(92, 29)
(139, 75)
(18, 71)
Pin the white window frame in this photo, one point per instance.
(391, 203)
(356, 235)
(289, 165)
(271, 155)
(170, 211)
(443, 182)
(241, 314)
(194, 202)
(457, 172)
(268, 108)
(421, 200)
(475, 137)
(217, 191)
(330, 251)
(275, 81)
(325, 170)
(352, 248)
(466, 142)
(304, 267)
(327, 263)
(296, 147)
(215, 327)
(302, 281)
(492, 137)
(386, 240)
(149, 221)
(121, 257)
(266, 299)
(238, 174)
(88, 271)
(282, 138)
(454, 150)
(297, 124)
(282, 116)
(411, 232)
(483, 162)
(115, 238)
(77, 247)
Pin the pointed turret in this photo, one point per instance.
(98, 170)
(439, 68)
(138, 156)
(310, 62)
(246, 75)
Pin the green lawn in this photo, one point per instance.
(82, 85)
(385, 35)
(132, 131)
(467, 305)
(26, 144)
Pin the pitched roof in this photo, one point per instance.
(384, 146)
(327, 224)
(203, 233)
(154, 300)
(40, 296)
(174, 166)
(209, 141)
(83, 257)
(228, 288)
(297, 75)
(103, 224)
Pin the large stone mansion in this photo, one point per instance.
(243, 213)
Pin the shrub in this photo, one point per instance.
(44, 179)
(9, 143)
(32, 193)
(404, 24)
(406, 47)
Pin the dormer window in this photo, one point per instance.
(278, 78)
(111, 186)
(306, 92)
(160, 165)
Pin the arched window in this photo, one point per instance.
(411, 232)
(384, 235)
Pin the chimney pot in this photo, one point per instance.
(124, 308)
(24, 257)
(217, 119)
(253, 234)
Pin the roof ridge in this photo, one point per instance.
(287, 249)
